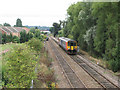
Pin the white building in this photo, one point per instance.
(45, 31)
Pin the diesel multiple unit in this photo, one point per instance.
(69, 45)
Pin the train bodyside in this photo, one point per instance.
(70, 46)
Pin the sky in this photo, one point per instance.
(34, 12)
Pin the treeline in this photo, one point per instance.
(24, 36)
(96, 28)
(18, 23)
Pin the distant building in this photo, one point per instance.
(15, 31)
(45, 31)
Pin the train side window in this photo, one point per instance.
(61, 41)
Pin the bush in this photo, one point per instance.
(19, 67)
(45, 74)
(35, 44)
(15, 39)
(114, 65)
(23, 36)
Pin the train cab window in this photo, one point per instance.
(74, 44)
(68, 43)
(71, 43)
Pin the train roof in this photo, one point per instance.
(65, 39)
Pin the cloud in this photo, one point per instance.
(34, 12)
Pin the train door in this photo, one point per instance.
(70, 44)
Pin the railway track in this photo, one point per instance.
(72, 78)
(105, 83)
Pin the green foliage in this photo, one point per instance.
(18, 23)
(70, 36)
(15, 39)
(23, 36)
(19, 67)
(9, 38)
(32, 30)
(6, 24)
(44, 37)
(35, 44)
(56, 27)
(51, 29)
(29, 36)
(89, 38)
(36, 33)
(4, 37)
(95, 26)
(114, 65)
(60, 33)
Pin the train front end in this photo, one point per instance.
(72, 47)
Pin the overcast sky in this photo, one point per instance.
(34, 12)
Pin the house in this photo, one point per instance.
(26, 29)
(15, 31)
(4, 31)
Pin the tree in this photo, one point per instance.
(89, 38)
(36, 27)
(37, 34)
(56, 27)
(32, 30)
(15, 39)
(52, 29)
(6, 24)
(96, 28)
(4, 38)
(18, 23)
(23, 36)
(9, 38)
(29, 36)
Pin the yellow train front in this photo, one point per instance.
(69, 45)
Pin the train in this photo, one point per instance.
(69, 45)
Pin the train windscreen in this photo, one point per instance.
(71, 43)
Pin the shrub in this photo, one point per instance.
(23, 36)
(114, 65)
(45, 60)
(45, 74)
(19, 67)
(15, 39)
(35, 44)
